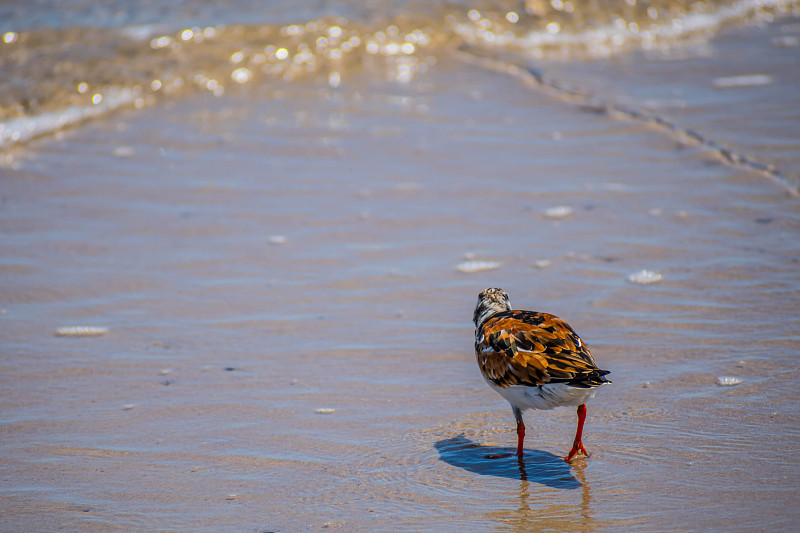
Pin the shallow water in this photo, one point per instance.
(290, 344)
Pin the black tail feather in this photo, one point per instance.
(595, 378)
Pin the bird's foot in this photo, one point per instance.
(576, 447)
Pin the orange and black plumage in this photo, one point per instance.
(534, 360)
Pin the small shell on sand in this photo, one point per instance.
(728, 381)
(324, 411)
(477, 266)
(277, 239)
(643, 277)
(560, 211)
(81, 331)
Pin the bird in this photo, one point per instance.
(535, 361)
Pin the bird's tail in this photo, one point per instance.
(591, 379)
(598, 377)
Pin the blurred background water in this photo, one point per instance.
(64, 62)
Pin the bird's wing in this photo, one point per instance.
(529, 348)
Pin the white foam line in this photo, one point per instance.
(25, 128)
(689, 24)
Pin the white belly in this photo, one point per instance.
(545, 396)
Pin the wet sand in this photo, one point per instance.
(290, 344)
(731, 91)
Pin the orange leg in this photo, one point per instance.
(577, 446)
(520, 431)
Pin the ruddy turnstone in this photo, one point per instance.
(534, 361)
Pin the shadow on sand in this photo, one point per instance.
(536, 466)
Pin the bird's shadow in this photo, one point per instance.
(536, 466)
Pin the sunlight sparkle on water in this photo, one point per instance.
(241, 75)
(334, 79)
(553, 27)
(292, 30)
(161, 42)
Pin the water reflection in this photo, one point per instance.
(541, 512)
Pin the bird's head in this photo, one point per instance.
(490, 301)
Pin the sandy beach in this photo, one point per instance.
(280, 270)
